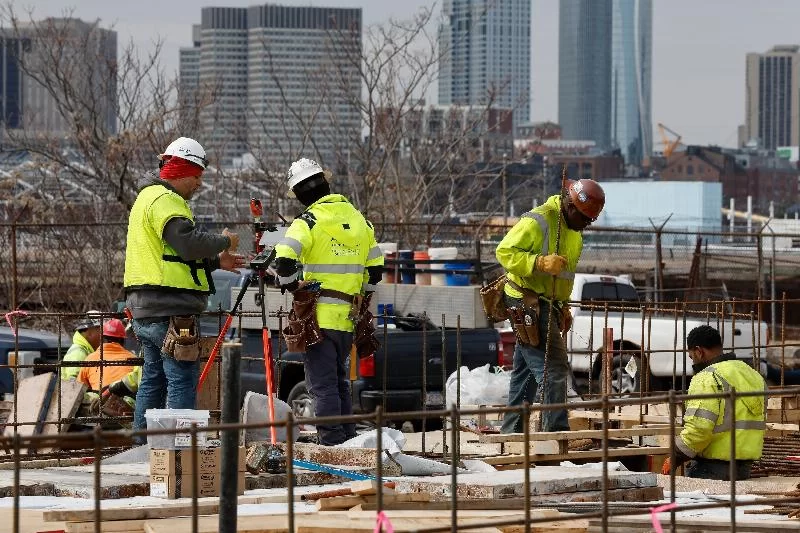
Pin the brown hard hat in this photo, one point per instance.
(587, 196)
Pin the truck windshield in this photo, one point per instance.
(600, 292)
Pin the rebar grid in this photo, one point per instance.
(99, 436)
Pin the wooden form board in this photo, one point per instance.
(578, 455)
(580, 434)
(634, 417)
(694, 524)
(342, 521)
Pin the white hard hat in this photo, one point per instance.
(187, 149)
(93, 320)
(301, 170)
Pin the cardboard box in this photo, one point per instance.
(179, 462)
(170, 487)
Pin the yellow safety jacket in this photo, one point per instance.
(334, 243)
(79, 351)
(708, 424)
(536, 234)
(150, 262)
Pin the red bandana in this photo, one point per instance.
(177, 167)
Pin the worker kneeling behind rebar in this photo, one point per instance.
(709, 424)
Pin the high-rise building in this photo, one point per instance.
(604, 74)
(86, 53)
(631, 74)
(275, 79)
(772, 98)
(486, 50)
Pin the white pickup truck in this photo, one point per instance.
(663, 337)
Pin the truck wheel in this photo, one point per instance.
(301, 401)
(621, 381)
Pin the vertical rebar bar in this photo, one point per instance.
(457, 451)
(591, 347)
(683, 354)
(732, 462)
(604, 478)
(425, 383)
(229, 474)
(379, 456)
(526, 463)
(444, 394)
(97, 441)
(675, 348)
(783, 337)
(195, 478)
(17, 466)
(453, 474)
(290, 467)
(672, 458)
(385, 361)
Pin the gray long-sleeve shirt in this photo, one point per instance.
(190, 243)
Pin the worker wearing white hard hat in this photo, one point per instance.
(168, 265)
(336, 247)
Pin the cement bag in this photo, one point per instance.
(479, 386)
(255, 410)
(392, 440)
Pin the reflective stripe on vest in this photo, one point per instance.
(294, 244)
(728, 413)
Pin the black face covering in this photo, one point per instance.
(312, 189)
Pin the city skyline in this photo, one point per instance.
(699, 49)
(488, 54)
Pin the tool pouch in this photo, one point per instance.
(302, 329)
(492, 297)
(364, 335)
(525, 321)
(183, 341)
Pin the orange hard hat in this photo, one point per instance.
(114, 328)
(587, 196)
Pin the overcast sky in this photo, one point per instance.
(699, 48)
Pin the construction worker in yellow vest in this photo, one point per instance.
(709, 424)
(168, 265)
(541, 250)
(87, 337)
(336, 247)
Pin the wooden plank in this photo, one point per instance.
(115, 526)
(71, 394)
(31, 391)
(641, 494)
(574, 435)
(339, 502)
(655, 419)
(370, 486)
(578, 455)
(169, 509)
(698, 523)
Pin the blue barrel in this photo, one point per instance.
(389, 308)
(455, 278)
(408, 272)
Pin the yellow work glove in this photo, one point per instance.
(551, 264)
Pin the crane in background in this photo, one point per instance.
(669, 145)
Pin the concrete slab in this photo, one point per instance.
(78, 484)
(138, 454)
(510, 483)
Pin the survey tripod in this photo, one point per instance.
(259, 264)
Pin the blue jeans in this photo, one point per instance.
(165, 381)
(529, 366)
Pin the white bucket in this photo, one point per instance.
(441, 254)
(388, 248)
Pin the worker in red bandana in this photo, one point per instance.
(168, 265)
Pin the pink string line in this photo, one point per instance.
(11, 314)
(382, 520)
(654, 515)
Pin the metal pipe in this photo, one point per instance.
(229, 475)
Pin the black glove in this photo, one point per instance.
(119, 388)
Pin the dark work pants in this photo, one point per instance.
(327, 369)
(715, 469)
